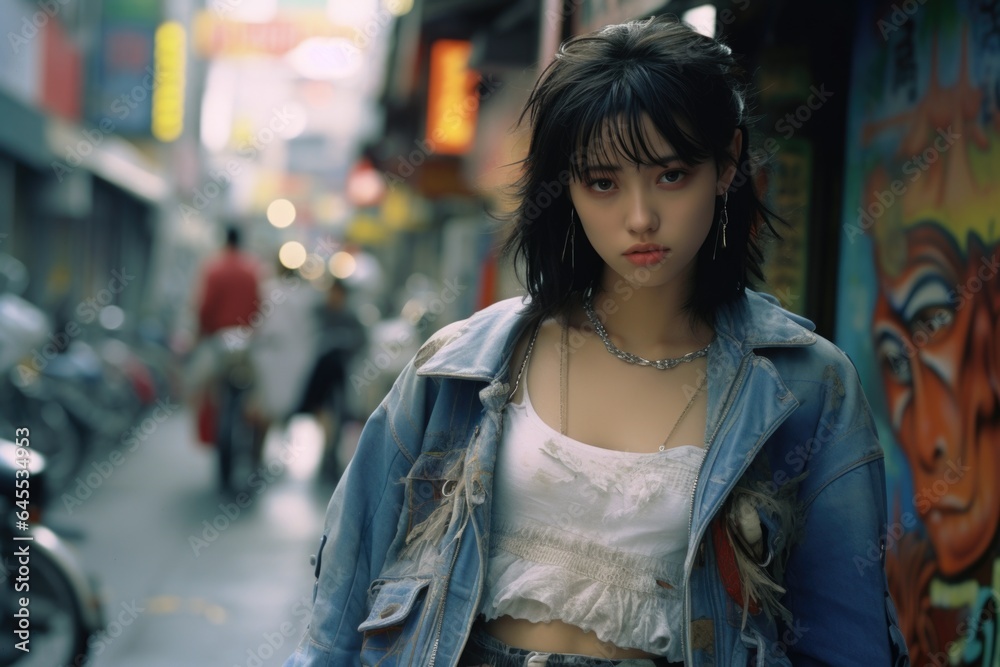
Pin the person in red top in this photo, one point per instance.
(228, 296)
(229, 288)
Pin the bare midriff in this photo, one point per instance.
(557, 637)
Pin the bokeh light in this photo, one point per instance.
(292, 255)
(398, 7)
(281, 213)
(343, 264)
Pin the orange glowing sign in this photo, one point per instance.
(453, 102)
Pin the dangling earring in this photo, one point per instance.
(570, 240)
(723, 221)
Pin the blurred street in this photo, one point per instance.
(263, 208)
(183, 583)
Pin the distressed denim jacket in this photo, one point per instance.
(402, 558)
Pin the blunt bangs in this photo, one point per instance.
(610, 129)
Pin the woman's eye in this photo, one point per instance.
(673, 176)
(601, 184)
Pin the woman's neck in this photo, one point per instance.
(649, 320)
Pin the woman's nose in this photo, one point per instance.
(641, 215)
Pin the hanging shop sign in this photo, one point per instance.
(452, 100)
(216, 36)
(168, 95)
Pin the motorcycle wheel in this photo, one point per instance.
(58, 632)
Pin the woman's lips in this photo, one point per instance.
(646, 255)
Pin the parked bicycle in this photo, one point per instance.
(238, 432)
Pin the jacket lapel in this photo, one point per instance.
(756, 404)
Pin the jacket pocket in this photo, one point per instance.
(392, 604)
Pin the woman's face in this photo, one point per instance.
(647, 222)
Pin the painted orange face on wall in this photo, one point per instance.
(934, 327)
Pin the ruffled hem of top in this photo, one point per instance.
(627, 618)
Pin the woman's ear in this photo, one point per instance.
(727, 174)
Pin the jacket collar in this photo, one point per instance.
(758, 321)
(480, 346)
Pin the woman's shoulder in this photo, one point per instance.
(764, 324)
(479, 340)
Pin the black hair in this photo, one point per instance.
(692, 89)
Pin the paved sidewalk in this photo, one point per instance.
(192, 578)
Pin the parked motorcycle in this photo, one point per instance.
(48, 606)
(26, 396)
(80, 385)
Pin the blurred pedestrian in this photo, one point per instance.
(228, 297)
(284, 348)
(229, 288)
(340, 336)
(643, 463)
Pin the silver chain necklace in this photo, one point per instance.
(628, 357)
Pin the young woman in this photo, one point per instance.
(644, 462)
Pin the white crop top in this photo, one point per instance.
(583, 534)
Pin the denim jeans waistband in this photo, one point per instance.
(484, 649)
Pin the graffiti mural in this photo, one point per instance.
(919, 307)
